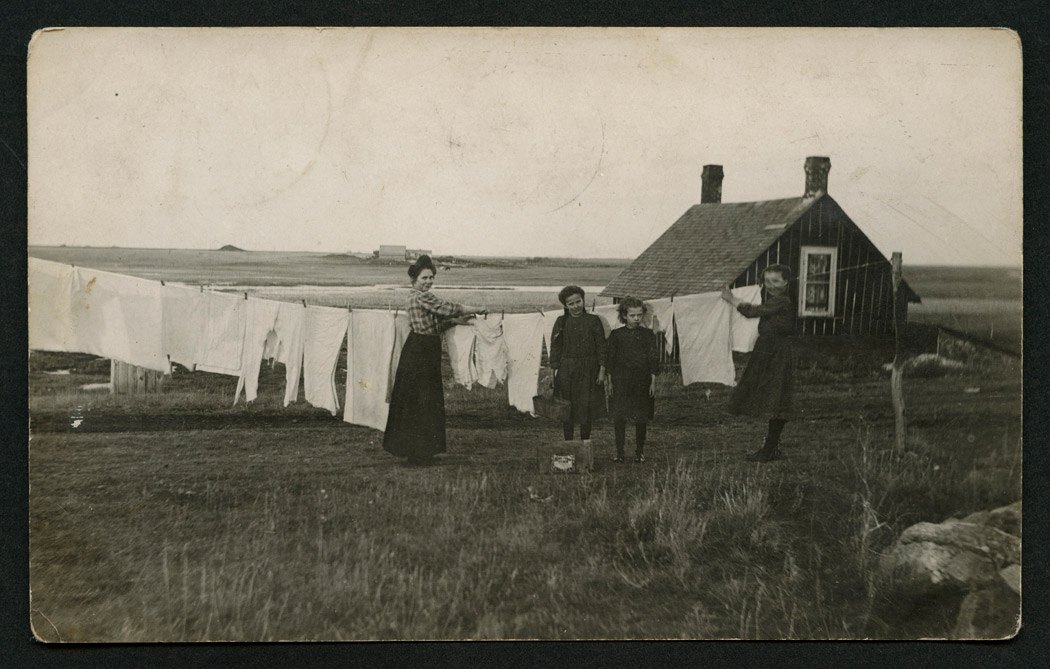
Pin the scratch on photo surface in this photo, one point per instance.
(597, 169)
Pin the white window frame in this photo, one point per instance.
(803, 309)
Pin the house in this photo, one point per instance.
(413, 254)
(843, 283)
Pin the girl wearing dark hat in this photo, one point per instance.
(415, 427)
(577, 357)
(767, 386)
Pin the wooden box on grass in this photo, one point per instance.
(565, 457)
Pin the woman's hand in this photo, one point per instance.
(601, 376)
(728, 296)
(652, 388)
(477, 311)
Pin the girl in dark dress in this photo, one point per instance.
(633, 362)
(767, 386)
(577, 357)
(415, 426)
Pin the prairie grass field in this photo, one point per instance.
(264, 268)
(179, 516)
(983, 302)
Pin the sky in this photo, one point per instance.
(521, 142)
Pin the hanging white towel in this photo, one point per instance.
(524, 335)
(704, 343)
(745, 330)
(259, 322)
(285, 345)
(459, 340)
(222, 339)
(709, 330)
(549, 319)
(369, 347)
(182, 314)
(610, 317)
(118, 317)
(402, 328)
(50, 296)
(325, 330)
(490, 351)
(662, 319)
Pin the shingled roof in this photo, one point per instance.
(715, 241)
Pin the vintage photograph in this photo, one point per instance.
(380, 334)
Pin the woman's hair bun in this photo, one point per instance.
(422, 262)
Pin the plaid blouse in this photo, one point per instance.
(427, 310)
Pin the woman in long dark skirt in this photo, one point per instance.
(767, 386)
(415, 426)
(577, 357)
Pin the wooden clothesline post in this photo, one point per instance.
(127, 379)
(897, 373)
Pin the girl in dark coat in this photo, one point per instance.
(415, 426)
(577, 357)
(633, 361)
(767, 386)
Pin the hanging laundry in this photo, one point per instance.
(402, 328)
(490, 351)
(459, 340)
(744, 332)
(118, 317)
(662, 319)
(550, 318)
(610, 317)
(50, 296)
(524, 335)
(705, 349)
(182, 318)
(369, 347)
(324, 331)
(259, 322)
(706, 330)
(222, 339)
(285, 345)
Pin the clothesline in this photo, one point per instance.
(138, 322)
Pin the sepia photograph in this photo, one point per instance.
(422, 334)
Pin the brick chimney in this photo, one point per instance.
(711, 184)
(817, 168)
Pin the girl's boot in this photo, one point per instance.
(769, 452)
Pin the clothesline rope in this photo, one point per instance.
(537, 308)
(844, 269)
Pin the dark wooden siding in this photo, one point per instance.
(864, 289)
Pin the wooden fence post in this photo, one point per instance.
(897, 373)
(126, 379)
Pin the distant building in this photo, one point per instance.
(396, 252)
(392, 252)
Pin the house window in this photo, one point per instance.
(816, 287)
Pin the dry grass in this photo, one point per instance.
(177, 517)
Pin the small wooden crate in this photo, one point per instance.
(565, 457)
(554, 408)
